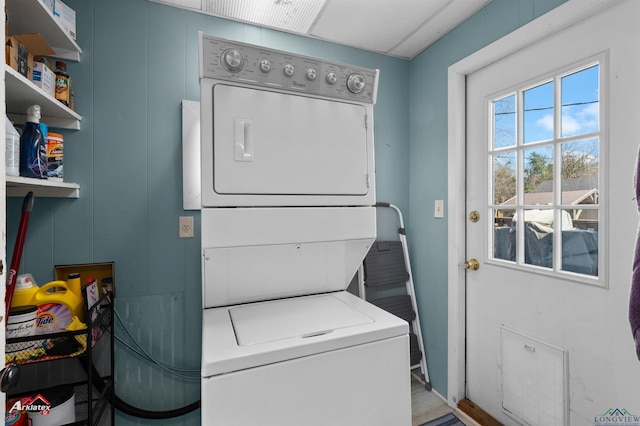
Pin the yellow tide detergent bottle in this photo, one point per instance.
(57, 305)
(56, 301)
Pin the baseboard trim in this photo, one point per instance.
(477, 414)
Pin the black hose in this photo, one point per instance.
(139, 412)
(155, 415)
(131, 410)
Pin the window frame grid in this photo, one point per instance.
(599, 280)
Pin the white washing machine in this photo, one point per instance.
(287, 194)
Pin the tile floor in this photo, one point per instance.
(427, 406)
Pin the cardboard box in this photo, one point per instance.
(99, 271)
(44, 78)
(17, 56)
(35, 43)
(66, 17)
(21, 48)
(94, 279)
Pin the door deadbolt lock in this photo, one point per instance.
(472, 264)
(474, 216)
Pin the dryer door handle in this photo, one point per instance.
(243, 139)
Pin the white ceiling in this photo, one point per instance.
(401, 28)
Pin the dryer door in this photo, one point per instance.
(270, 146)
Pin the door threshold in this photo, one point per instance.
(477, 413)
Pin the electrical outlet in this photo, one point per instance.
(185, 224)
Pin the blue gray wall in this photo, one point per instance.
(139, 61)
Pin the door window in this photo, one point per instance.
(546, 142)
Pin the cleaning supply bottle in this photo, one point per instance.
(44, 129)
(55, 156)
(12, 151)
(57, 305)
(33, 147)
(25, 291)
(74, 284)
(63, 83)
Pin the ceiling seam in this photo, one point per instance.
(317, 18)
(418, 28)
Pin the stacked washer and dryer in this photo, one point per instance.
(287, 194)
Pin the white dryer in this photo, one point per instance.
(287, 190)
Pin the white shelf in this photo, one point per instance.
(20, 93)
(29, 16)
(18, 186)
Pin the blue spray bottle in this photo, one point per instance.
(33, 146)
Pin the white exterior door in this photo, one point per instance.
(547, 336)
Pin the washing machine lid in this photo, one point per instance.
(246, 336)
(284, 319)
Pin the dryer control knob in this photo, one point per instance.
(288, 70)
(232, 60)
(311, 74)
(331, 78)
(356, 83)
(265, 66)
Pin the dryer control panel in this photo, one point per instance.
(223, 59)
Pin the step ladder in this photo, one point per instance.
(387, 264)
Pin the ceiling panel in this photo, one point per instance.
(295, 16)
(401, 28)
(373, 25)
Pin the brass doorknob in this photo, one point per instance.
(472, 264)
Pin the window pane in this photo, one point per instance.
(580, 168)
(538, 237)
(538, 113)
(504, 122)
(504, 235)
(545, 171)
(538, 175)
(504, 177)
(580, 102)
(580, 244)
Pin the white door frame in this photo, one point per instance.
(563, 16)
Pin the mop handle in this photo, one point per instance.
(27, 205)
